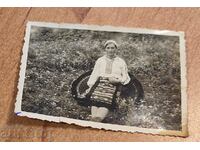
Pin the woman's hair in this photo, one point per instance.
(110, 41)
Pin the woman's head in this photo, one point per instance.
(111, 48)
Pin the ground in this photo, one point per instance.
(57, 57)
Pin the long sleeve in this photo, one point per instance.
(125, 77)
(95, 74)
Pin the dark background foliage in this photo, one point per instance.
(59, 56)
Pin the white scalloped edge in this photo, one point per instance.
(105, 126)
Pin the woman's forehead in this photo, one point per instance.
(110, 45)
(109, 42)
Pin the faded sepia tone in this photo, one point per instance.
(56, 57)
(13, 21)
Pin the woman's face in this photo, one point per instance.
(111, 50)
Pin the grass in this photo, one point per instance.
(57, 57)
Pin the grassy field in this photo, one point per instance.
(59, 56)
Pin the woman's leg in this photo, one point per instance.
(99, 113)
(102, 112)
(94, 114)
(94, 110)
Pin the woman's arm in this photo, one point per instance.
(125, 77)
(93, 78)
(95, 74)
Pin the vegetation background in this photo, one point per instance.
(59, 56)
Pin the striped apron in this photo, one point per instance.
(103, 94)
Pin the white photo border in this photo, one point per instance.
(18, 111)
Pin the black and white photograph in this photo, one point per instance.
(112, 78)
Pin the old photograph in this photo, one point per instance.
(113, 78)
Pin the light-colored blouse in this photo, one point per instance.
(105, 67)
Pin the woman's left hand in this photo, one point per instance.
(114, 80)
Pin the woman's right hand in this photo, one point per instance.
(86, 92)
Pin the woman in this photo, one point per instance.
(109, 72)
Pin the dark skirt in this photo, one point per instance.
(103, 94)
